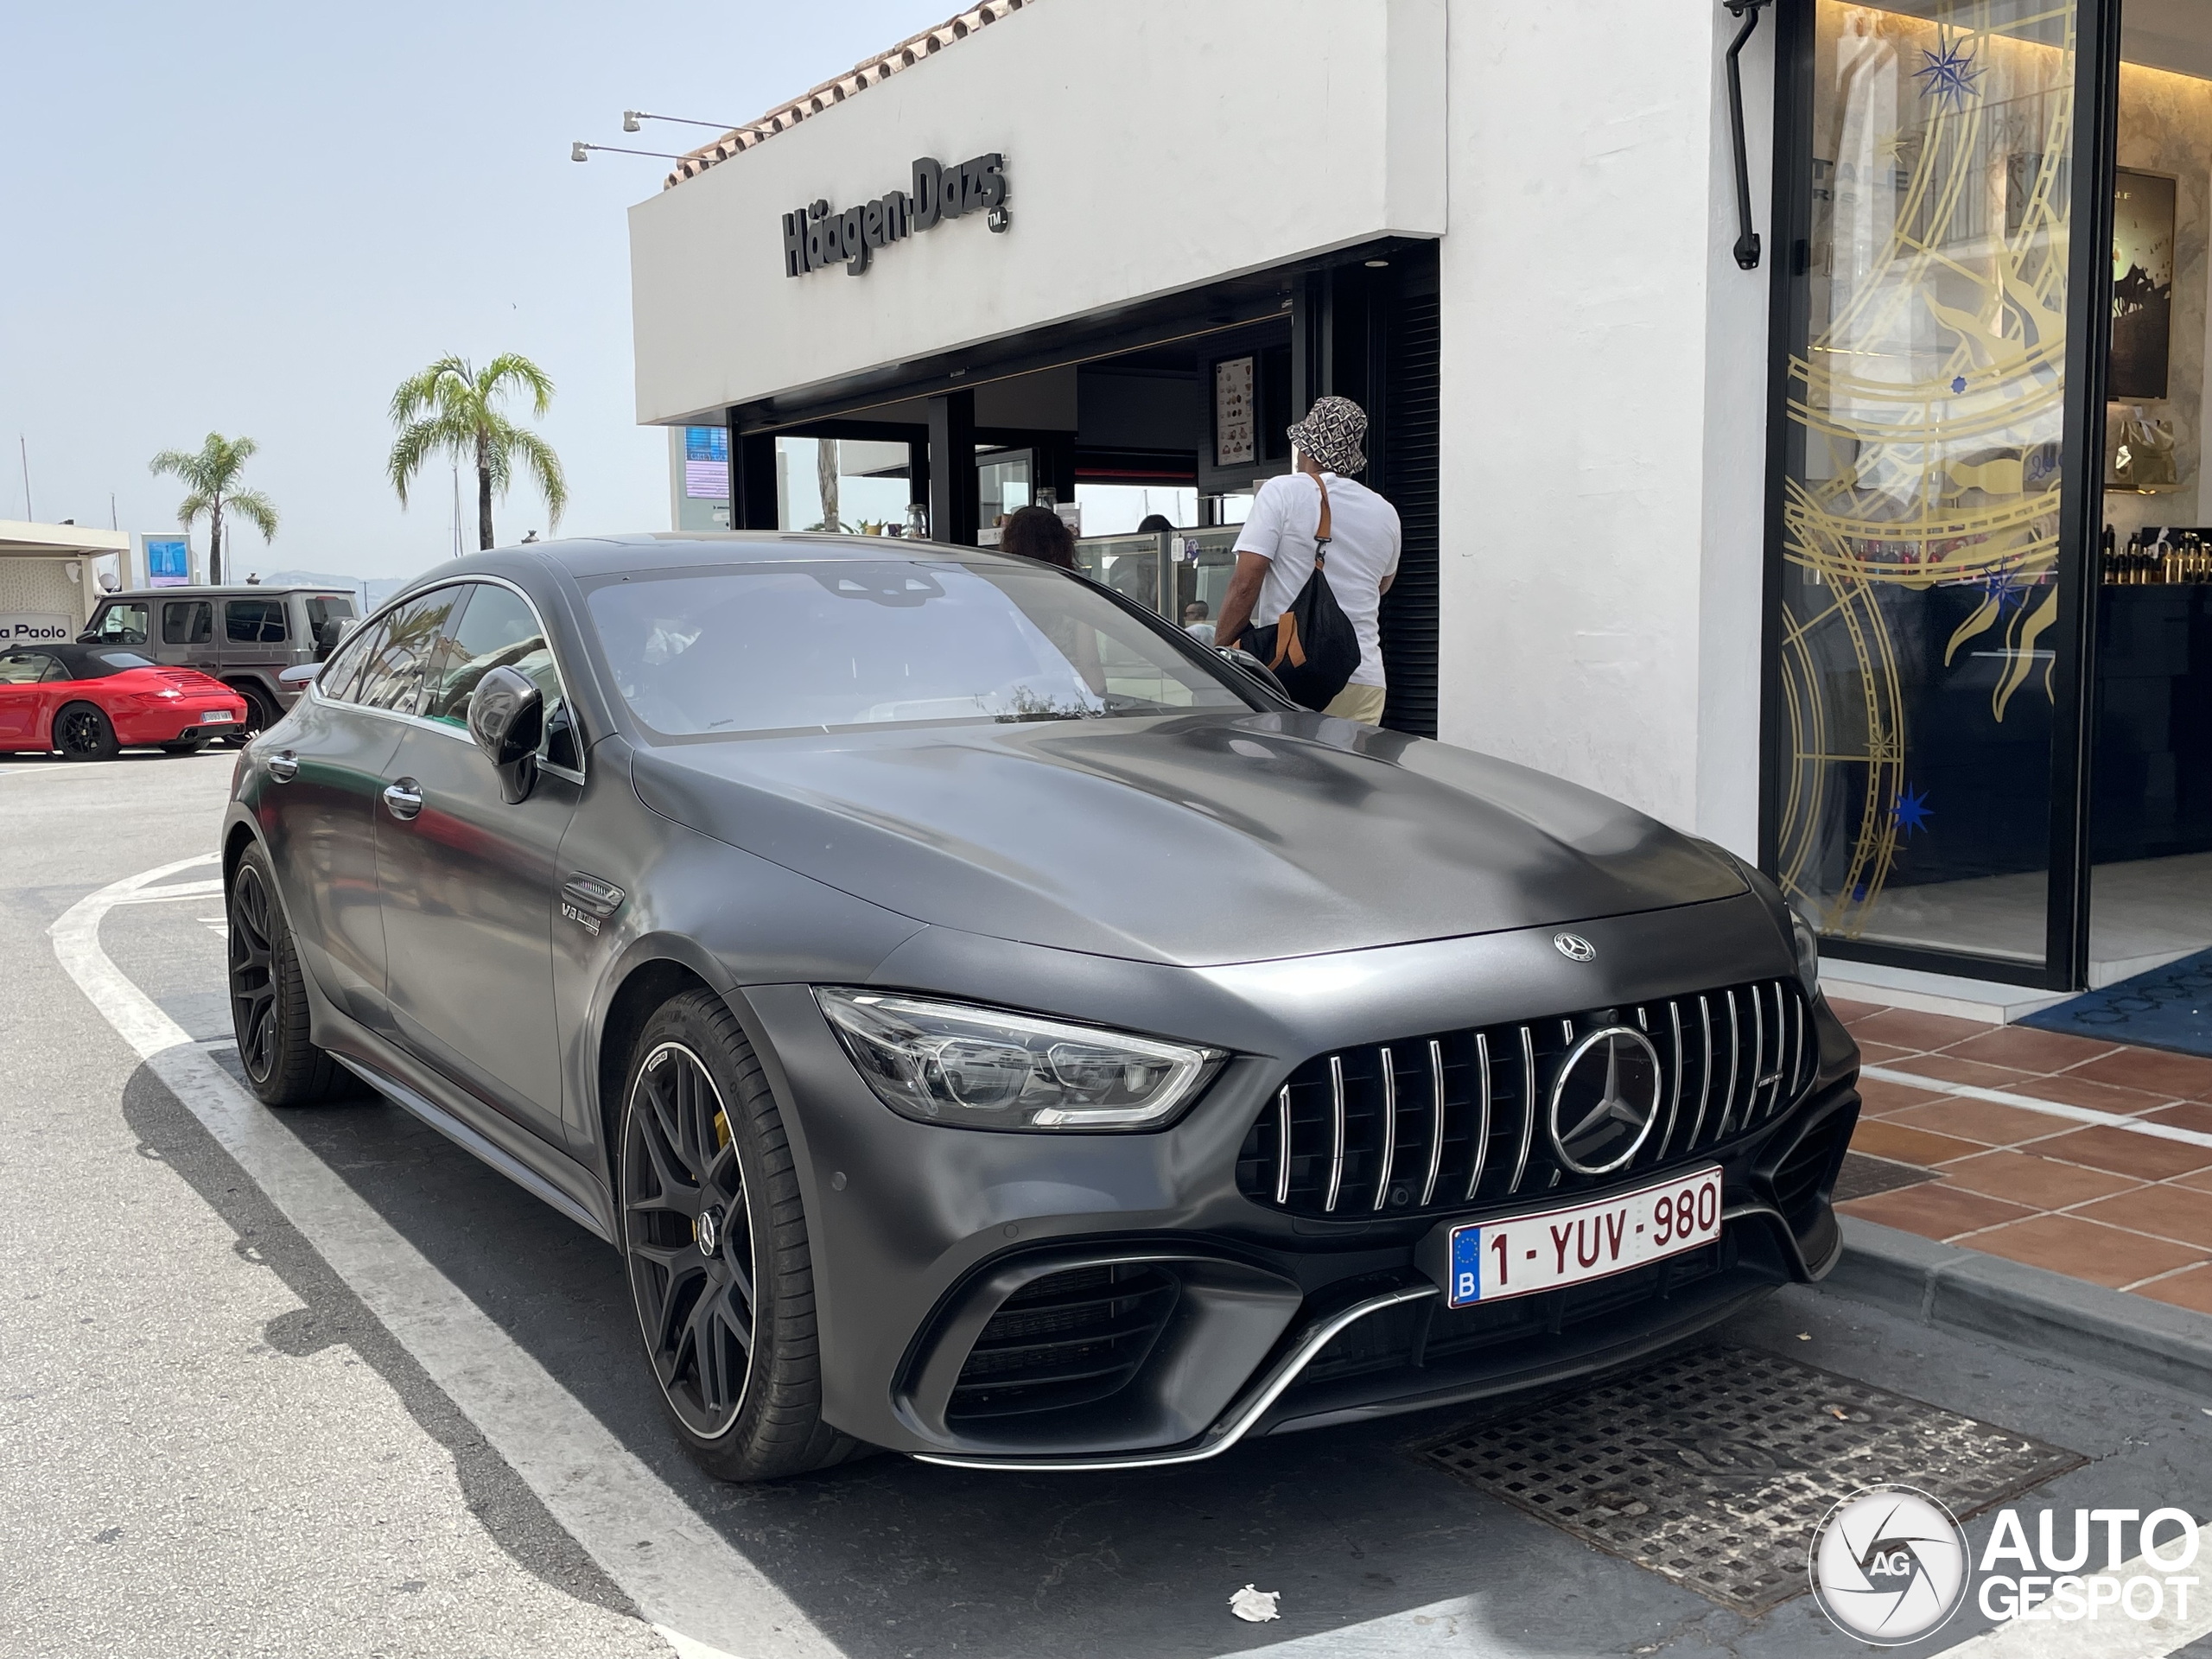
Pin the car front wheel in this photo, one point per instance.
(714, 1237)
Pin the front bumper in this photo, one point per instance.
(1181, 1315)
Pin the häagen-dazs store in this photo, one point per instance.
(1834, 494)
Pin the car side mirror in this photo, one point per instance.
(1252, 666)
(506, 716)
(299, 676)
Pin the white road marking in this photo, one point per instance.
(683, 1575)
(169, 890)
(2111, 1634)
(2049, 1108)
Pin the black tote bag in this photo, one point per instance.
(1313, 647)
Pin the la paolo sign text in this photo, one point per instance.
(34, 627)
(817, 238)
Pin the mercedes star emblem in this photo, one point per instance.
(710, 1231)
(1605, 1100)
(1574, 947)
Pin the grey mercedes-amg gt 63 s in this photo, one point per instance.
(993, 1026)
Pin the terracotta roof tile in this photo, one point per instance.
(867, 73)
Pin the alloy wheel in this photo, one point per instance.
(688, 1239)
(257, 717)
(78, 732)
(253, 988)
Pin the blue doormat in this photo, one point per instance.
(2168, 1007)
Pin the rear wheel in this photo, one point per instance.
(269, 995)
(715, 1238)
(83, 733)
(260, 715)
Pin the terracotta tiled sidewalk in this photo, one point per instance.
(2116, 1208)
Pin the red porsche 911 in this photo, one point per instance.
(90, 701)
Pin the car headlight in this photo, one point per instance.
(987, 1069)
(1808, 951)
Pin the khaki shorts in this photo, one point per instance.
(1360, 703)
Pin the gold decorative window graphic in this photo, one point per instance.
(1921, 499)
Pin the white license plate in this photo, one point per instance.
(1491, 1261)
(215, 717)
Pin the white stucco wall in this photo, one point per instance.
(1150, 146)
(1602, 418)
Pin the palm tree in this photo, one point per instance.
(210, 477)
(450, 409)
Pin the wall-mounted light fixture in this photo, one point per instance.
(1747, 239)
(581, 151)
(632, 118)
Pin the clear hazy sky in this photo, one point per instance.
(257, 219)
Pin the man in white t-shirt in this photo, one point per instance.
(1276, 546)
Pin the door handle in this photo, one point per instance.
(285, 768)
(404, 797)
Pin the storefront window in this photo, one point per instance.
(858, 486)
(1004, 479)
(1922, 479)
(1117, 509)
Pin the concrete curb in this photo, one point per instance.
(1964, 1290)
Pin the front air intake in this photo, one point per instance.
(1069, 1339)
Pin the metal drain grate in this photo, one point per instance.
(1712, 1468)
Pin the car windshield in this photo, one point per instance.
(843, 643)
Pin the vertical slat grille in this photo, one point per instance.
(1458, 1119)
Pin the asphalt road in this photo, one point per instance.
(321, 1384)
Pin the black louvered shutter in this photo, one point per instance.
(1409, 473)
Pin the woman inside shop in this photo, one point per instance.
(1039, 533)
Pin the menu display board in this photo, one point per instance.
(1234, 432)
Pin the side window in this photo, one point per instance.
(393, 679)
(341, 678)
(500, 629)
(254, 621)
(187, 622)
(23, 667)
(125, 624)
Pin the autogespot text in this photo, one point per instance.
(2047, 1584)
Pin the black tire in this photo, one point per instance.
(269, 995)
(186, 746)
(260, 716)
(81, 732)
(701, 1137)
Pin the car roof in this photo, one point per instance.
(598, 556)
(238, 591)
(75, 657)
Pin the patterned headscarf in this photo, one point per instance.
(1332, 432)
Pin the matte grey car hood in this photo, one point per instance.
(1196, 839)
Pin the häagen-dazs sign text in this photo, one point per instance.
(816, 238)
